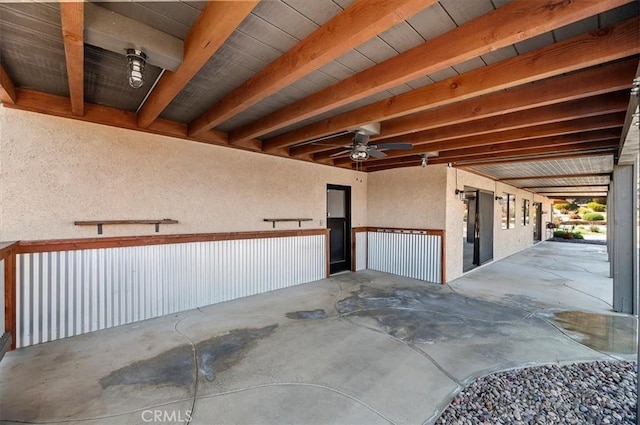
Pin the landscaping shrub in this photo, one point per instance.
(597, 207)
(575, 216)
(561, 206)
(567, 235)
(593, 217)
(584, 210)
(573, 207)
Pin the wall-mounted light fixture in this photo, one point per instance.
(461, 194)
(500, 200)
(137, 60)
(425, 160)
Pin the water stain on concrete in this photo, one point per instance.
(426, 315)
(220, 353)
(430, 299)
(602, 332)
(175, 366)
(307, 315)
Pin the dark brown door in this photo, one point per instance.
(537, 221)
(339, 224)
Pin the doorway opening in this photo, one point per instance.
(339, 224)
(477, 221)
(537, 221)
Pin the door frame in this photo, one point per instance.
(347, 241)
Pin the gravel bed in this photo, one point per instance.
(596, 393)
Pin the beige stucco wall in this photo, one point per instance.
(55, 171)
(505, 242)
(410, 197)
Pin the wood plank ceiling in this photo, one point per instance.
(533, 92)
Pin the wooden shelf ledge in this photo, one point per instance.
(101, 223)
(276, 220)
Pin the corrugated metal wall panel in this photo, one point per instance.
(361, 251)
(68, 293)
(406, 254)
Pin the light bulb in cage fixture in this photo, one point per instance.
(359, 155)
(136, 61)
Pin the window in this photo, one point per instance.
(508, 213)
(525, 212)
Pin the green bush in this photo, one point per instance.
(573, 207)
(561, 206)
(567, 235)
(584, 210)
(597, 207)
(593, 217)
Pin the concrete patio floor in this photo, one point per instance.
(357, 348)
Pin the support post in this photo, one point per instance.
(625, 246)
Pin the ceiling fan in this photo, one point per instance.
(361, 150)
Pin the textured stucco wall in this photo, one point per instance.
(505, 242)
(407, 197)
(55, 171)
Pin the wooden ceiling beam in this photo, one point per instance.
(597, 151)
(560, 142)
(556, 176)
(565, 185)
(517, 21)
(611, 122)
(596, 47)
(7, 88)
(216, 23)
(569, 195)
(579, 85)
(29, 100)
(603, 136)
(72, 19)
(361, 21)
(594, 106)
(474, 109)
(538, 154)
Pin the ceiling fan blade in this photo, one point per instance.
(394, 146)
(339, 154)
(377, 154)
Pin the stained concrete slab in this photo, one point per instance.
(363, 347)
